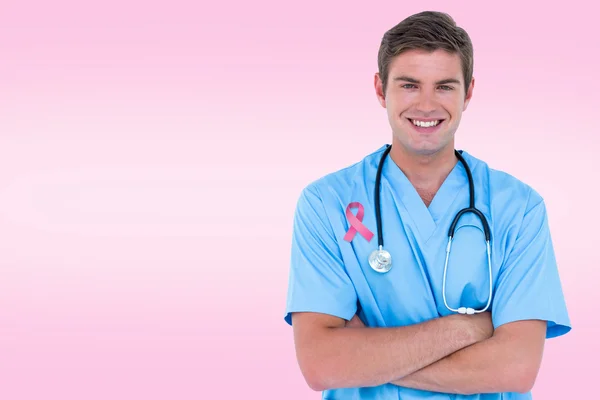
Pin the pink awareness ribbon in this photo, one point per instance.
(356, 224)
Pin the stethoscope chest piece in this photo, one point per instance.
(380, 260)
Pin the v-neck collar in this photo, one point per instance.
(425, 219)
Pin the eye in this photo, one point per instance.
(408, 86)
(446, 87)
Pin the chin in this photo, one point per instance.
(427, 151)
(424, 147)
(420, 145)
(428, 148)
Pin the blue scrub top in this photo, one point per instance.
(332, 276)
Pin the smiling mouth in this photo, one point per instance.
(425, 124)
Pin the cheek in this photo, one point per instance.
(453, 105)
(396, 108)
(396, 100)
(456, 112)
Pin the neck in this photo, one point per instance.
(425, 172)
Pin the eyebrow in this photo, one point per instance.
(413, 80)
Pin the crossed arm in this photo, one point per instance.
(456, 354)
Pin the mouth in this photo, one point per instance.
(426, 126)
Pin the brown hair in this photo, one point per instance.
(427, 30)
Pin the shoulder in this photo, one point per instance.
(513, 207)
(504, 190)
(344, 180)
(323, 201)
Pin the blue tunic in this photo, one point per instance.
(332, 276)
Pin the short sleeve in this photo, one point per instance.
(528, 285)
(318, 281)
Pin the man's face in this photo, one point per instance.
(424, 88)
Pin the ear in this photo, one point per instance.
(469, 94)
(379, 89)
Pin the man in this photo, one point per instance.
(363, 330)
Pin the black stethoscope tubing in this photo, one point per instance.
(381, 260)
(471, 208)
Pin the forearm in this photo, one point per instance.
(489, 366)
(361, 357)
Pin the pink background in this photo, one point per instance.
(151, 156)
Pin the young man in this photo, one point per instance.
(432, 317)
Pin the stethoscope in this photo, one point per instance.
(381, 260)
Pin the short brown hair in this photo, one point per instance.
(427, 30)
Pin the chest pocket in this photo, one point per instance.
(467, 273)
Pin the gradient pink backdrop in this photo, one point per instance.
(151, 156)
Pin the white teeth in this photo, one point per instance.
(425, 124)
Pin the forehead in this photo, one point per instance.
(422, 64)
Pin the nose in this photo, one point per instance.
(426, 103)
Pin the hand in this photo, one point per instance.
(481, 325)
(355, 322)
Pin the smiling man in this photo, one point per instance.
(419, 271)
